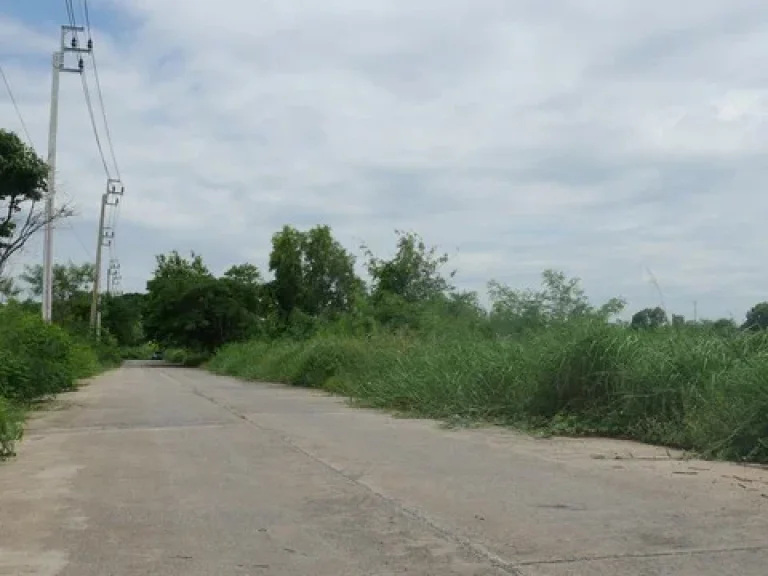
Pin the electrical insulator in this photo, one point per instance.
(90, 44)
(74, 41)
(81, 65)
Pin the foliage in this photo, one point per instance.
(412, 274)
(313, 273)
(411, 342)
(649, 318)
(9, 290)
(122, 317)
(188, 307)
(23, 184)
(757, 317)
(559, 300)
(693, 390)
(545, 358)
(143, 352)
(38, 360)
(183, 357)
(72, 285)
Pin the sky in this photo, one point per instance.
(621, 142)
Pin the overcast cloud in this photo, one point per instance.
(604, 138)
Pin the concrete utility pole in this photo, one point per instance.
(69, 44)
(113, 277)
(110, 198)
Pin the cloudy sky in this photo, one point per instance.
(616, 140)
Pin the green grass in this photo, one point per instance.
(686, 388)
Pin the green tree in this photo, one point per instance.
(72, 286)
(560, 299)
(757, 317)
(649, 318)
(329, 274)
(8, 289)
(247, 286)
(186, 306)
(313, 273)
(287, 265)
(725, 326)
(122, 318)
(173, 277)
(207, 315)
(23, 184)
(246, 274)
(413, 273)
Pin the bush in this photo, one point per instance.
(144, 352)
(38, 360)
(186, 358)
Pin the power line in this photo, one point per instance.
(70, 12)
(15, 105)
(79, 240)
(88, 103)
(87, 15)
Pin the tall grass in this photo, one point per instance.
(687, 388)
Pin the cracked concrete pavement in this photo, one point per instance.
(169, 471)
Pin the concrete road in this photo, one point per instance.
(167, 471)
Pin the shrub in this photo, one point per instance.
(188, 358)
(38, 360)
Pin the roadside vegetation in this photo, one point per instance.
(404, 339)
(546, 359)
(38, 360)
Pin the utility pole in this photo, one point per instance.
(69, 44)
(695, 311)
(113, 277)
(110, 198)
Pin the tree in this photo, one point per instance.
(8, 289)
(173, 277)
(246, 274)
(313, 273)
(413, 273)
(246, 285)
(286, 263)
(560, 299)
(72, 285)
(188, 307)
(206, 316)
(757, 317)
(329, 274)
(122, 318)
(23, 184)
(649, 318)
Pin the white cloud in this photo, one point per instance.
(601, 137)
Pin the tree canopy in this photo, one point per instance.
(23, 184)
